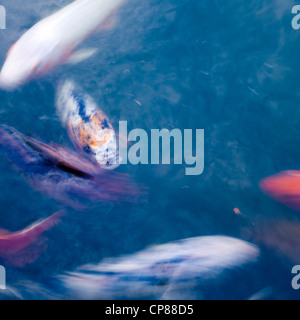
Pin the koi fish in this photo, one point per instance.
(284, 187)
(62, 174)
(53, 40)
(160, 271)
(12, 244)
(280, 236)
(88, 127)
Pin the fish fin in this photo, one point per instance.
(108, 23)
(48, 223)
(4, 232)
(81, 55)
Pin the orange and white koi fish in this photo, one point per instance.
(89, 128)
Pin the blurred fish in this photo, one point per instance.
(12, 244)
(284, 187)
(159, 272)
(88, 127)
(281, 236)
(63, 174)
(176, 264)
(52, 41)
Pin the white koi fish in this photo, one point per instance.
(53, 40)
(158, 272)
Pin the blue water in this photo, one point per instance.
(228, 67)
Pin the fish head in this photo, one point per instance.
(88, 127)
(284, 187)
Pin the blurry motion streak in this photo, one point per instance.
(63, 174)
(262, 294)
(12, 244)
(88, 127)
(52, 41)
(284, 187)
(159, 272)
